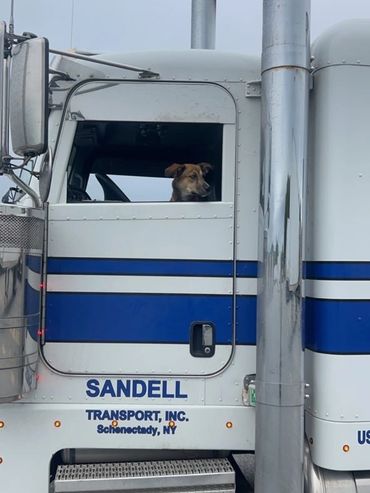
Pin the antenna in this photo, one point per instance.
(72, 21)
(11, 19)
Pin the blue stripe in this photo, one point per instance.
(34, 263)
(32, 310)
(337, 326)
(142, 318)
(140, 267)
(246, 319)
(337, 270)
(97, 317)
(246, 268)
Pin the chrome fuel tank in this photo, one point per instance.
(21, 243)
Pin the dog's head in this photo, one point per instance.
(189, 183)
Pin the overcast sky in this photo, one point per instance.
(134, 25)
(130, 25)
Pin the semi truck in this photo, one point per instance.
(129, 323)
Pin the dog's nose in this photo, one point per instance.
(206, 186)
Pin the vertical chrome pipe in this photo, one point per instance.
(279, 379)
(203, 24)
(11, 18)
(6, 107)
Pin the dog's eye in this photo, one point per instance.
(193, 176)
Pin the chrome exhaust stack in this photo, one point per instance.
(279, 377)
(203, 24)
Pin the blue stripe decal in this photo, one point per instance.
(246, 268)
(34, 263)
(32, 310)
(246, 319)
(337, 326)
(140, 267)
(100, 317)
(345, 271)
(145, 267)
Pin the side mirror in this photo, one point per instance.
(29, 97)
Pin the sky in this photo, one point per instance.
(136, 25)
(132, 25)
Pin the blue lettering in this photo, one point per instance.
(123, 388)
(171, 416)
(154, 388)
(136, 386)
(178, 394)
(169, 430)
(165, 392)
(361, 436)
(93, 386)
(107, 389)
(175, 416)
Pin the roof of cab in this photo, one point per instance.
(346, 43)
(173, 65)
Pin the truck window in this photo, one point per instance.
(126, 161)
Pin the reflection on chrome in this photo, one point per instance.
(21, 240)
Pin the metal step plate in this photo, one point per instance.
(170, 476)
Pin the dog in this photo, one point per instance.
(188, 182)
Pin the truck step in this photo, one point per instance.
(169, 476)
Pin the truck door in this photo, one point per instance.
(137, 283)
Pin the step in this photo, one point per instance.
(169, 476)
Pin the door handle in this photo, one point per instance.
(202, 339)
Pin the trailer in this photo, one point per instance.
(129, 323)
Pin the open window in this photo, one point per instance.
(115, 161)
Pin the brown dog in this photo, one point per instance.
(188, 183)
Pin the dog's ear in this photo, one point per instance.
(174, 170)
(206, 168)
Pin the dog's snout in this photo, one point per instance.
(206, 186)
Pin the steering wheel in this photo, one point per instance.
(111, 190)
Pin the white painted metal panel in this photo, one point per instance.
(340, 386)
(337, 290)
(139, 284)
(224, 389)
(35, 421)
(172, 231)
(148, 101)
(328, 440)
(133, 359)
(339, 171)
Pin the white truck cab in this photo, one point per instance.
(127, 320)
